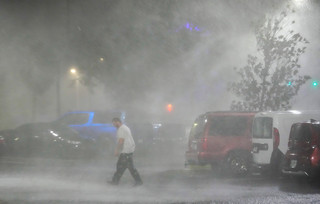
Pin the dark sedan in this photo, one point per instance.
(46, 140)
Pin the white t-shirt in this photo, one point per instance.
(125, 133)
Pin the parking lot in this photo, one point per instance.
(166, 180)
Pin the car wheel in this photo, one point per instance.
(237, 164)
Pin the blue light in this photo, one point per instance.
(289, 83)
(191, 27)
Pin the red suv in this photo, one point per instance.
(303, 155)
(222, 139)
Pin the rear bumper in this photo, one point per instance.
(202, 158)
(195, 158)
(191, 158)
(295, 173)
(299, 165)
(309, 172)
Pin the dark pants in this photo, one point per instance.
(125, 161)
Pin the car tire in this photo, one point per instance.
(237, 163)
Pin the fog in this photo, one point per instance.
(132, 55)
(155, 52)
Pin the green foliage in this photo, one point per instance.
(264, 80)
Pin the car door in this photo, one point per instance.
(262, 138)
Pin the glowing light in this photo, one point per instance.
(54, 133)
(189, 26)
(169, 107)
(73, 71)
(101, 59)
(314, 83)
(295, 112)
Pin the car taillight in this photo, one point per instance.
(204, 143)
(276, 140)
(315, 157)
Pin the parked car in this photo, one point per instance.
(222, 139)
(46, 140)
(95, 126)
(3, 135)
(2, 145)
(303, 155)
(271, 135)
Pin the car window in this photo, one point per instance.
(74, 118)
(301, 132)
(228, 125)
(64, 131)
(262, 127)
(198, 126)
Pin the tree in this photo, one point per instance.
(271, 79)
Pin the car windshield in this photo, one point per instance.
(228, 125)
(262, 127)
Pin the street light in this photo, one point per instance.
(74, 73)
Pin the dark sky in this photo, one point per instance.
(155, 52)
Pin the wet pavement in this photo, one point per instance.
(166, 180)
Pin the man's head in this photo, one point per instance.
(116, 122)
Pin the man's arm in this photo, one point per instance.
(119, 146)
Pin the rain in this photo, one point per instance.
(159, 66)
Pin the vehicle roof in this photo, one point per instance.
(312, 122)
(94, 111)
(230, 113)
(289, 112)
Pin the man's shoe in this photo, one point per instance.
(112, 183)
(138, 184)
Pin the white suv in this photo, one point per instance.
(270, 136)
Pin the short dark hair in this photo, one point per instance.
(116, 120)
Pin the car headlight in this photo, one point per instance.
(73, 142)
(55, 134)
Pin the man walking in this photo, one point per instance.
(124, 151)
